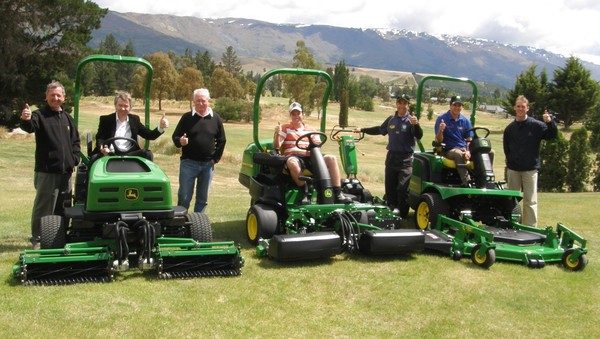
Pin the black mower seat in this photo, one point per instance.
(276, 161)
(268, 159)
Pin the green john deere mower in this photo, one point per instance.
(122, 217)
(288, 222)
(482, 220)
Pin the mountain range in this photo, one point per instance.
(264, 45)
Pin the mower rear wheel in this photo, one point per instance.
(54, 232)
(261, 222)
(486, 260)
(430, 206)
(578, 265)
(200, 229)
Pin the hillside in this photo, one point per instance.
(265, 45)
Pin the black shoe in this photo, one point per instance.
(340, 198)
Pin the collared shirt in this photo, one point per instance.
(401, 134)
(123, 130)
(209, 112)
(453, 133)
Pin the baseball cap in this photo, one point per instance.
(404, 97)
(295, 106)
(456, 98)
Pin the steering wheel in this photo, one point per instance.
(111, 141)
(474, 130)
(311, 143)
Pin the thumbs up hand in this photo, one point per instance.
(413, 119)
(26, 113)
(164, 123)
(442, 125)
(183, 140)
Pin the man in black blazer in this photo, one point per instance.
(123, 124)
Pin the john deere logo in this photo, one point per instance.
(131, 194)
(328, 193)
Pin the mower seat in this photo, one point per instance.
(448, 163)
(452, 164)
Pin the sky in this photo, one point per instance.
(565, 27)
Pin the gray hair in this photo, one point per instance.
(55, 84)
(123, 95)
(201, 92)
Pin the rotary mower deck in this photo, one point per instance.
(481, 220)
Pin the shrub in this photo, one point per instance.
(553, 175)
(233, 109)
(580, 162)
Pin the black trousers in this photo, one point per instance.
(398, 170)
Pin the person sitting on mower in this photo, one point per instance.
(449, 129)
(285, 139)
(124, 125)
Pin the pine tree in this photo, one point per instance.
(573, 92)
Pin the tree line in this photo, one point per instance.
(44, 41)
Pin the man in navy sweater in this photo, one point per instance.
(522, 139)
(201, 136)
(402, 130)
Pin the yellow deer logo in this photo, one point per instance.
(131, 194)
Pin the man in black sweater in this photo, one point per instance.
(201, 136)
(56, 155)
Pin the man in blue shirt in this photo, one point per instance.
(449, 129)
(402, 129)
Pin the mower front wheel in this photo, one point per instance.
(430, 206)
(200, 229)
(486, 260)
(577, 265)
(261, 222)
(54, 232)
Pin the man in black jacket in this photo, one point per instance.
(56, 155)
(124, 124)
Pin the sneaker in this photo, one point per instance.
(37, 246)
(396, 211)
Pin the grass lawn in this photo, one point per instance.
(349, 296)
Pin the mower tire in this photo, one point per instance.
(200, 229)
(578, 265)
(430, 206)
(261, 223)
(54, 232)
(486, 260)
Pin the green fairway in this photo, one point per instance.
(421, 295)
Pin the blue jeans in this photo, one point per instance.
(189, 172)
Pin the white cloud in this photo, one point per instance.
(567, 27)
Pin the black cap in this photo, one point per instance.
(456, 98)
(404, 97)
